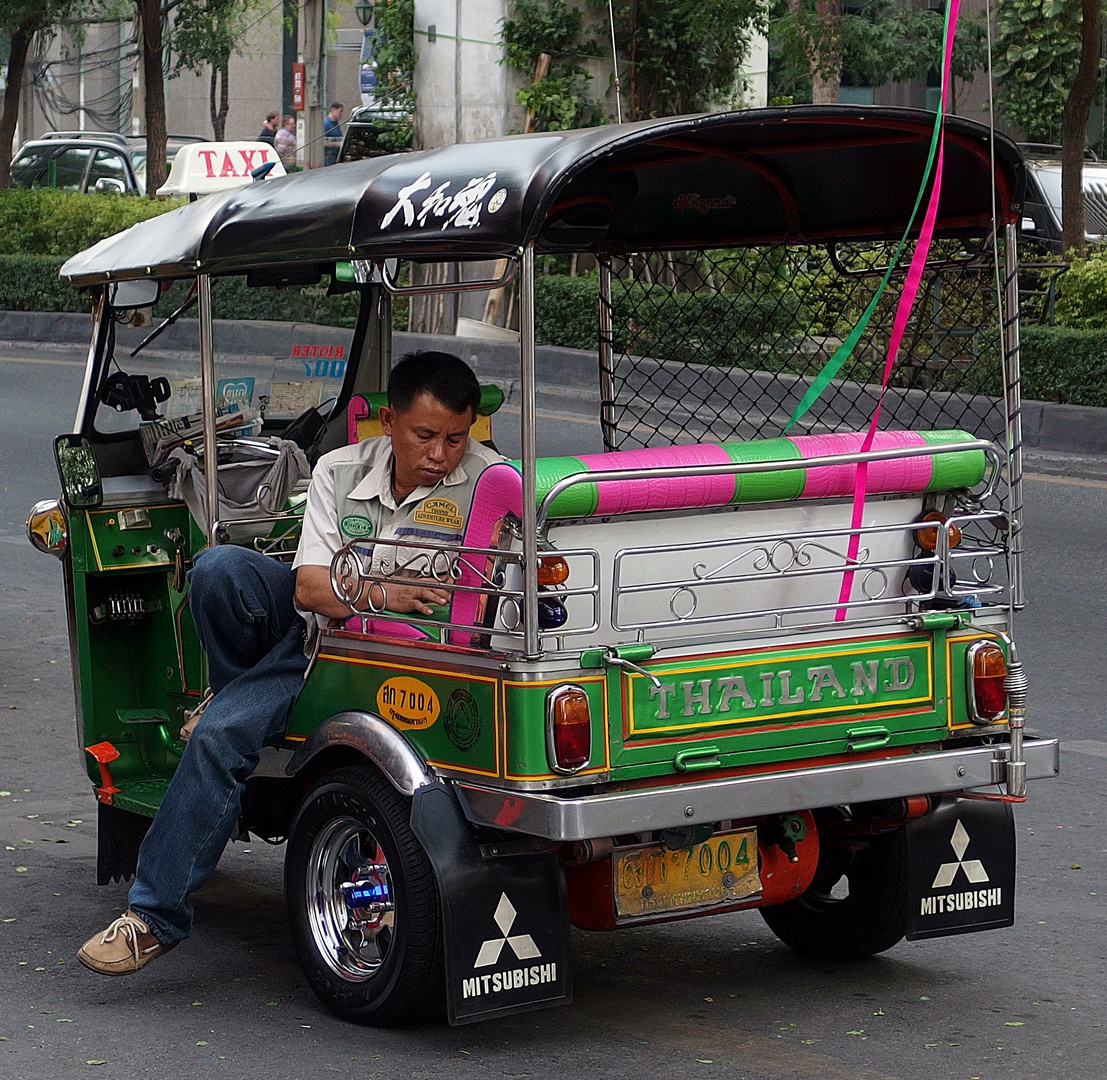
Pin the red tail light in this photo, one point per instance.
(568, 729)
(987, 669)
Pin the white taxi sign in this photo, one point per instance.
(203, 168)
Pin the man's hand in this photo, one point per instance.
(413, 597)
(314, 593)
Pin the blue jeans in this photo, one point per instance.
(242, 606)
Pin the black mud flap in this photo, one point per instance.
(504, 910)
(118, 836)
(962, 868)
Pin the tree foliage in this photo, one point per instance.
(878, 41)
(20, 21)
(559, 98)
(206, 33)
(684, 55)
(1036, 56)
(393, 50)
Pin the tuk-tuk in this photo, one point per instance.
(751, 655)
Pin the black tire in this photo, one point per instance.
(873, 916)
(353, 825)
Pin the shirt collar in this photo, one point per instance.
(377, 483)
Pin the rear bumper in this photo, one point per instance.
(617, 813)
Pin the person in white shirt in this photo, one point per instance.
(252, 615)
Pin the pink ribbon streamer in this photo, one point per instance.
(899, 326)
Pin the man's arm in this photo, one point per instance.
(314, 593)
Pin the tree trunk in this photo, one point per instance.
(822, 45)
(149, 14)
(220, 72)
(1074, 126)
(17, 62)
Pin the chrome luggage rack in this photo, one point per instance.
(742, 563)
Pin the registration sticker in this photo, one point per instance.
(407, 702)
(652, 880)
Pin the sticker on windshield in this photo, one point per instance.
(461, 208)
(356, 525)
(238, 392)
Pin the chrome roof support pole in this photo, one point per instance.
(1013, 394)
(607, 360)
(207, 395)
(527, 422)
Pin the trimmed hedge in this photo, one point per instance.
(30, 283)
(49, 222)
(1059, 364)
(1065, 365)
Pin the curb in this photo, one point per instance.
(569, 374)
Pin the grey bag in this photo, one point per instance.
(253, 483)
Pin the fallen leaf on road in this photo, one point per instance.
(21, 869)
(706, 1061)
(1075, 866)
(859, 1031)
(95, 1061)
(4, 793)
(1013, 1023)
(63, 1021)
(201, 1043)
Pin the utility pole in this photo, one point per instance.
(311, 46)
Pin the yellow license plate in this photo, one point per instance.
(652, 880)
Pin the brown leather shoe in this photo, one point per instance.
(122, 948)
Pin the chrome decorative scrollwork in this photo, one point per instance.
(780, 558)
(691, 603)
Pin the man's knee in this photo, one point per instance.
(220, 568)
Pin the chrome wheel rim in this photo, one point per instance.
(350, 900)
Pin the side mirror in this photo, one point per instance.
(80, 477)
(128, 295)
(110, 183)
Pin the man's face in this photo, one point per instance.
(428, 442)
(335, 115)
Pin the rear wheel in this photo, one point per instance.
(362, 901)
(855, 906)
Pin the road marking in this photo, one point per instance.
(41, 360)
(1093, 747)
(1072, 481)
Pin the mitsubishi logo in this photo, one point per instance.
(974, 868)
(521, 944)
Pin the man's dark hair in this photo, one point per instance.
(271, 116)
(336, 105)
(447, 378)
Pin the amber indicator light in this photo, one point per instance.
(927, 539)
(552, 570)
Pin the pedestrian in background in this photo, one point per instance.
(332, 133)
(285, 141)
(269, 129)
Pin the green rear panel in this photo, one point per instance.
(769, 705)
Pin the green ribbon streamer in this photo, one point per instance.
(842, 353)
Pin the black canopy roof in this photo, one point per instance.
(802, 174)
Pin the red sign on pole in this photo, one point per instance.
(298, 87)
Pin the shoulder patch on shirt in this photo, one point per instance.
(356, 525)
(438, 511)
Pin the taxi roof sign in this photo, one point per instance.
(204, 168)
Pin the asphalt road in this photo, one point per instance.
(713, 997)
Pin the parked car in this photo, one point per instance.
(373, 132)
(1041, 215)
(88, 161)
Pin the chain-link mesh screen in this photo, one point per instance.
(723, 344)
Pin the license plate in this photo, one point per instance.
(652, 880)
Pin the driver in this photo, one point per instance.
(253, 615)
